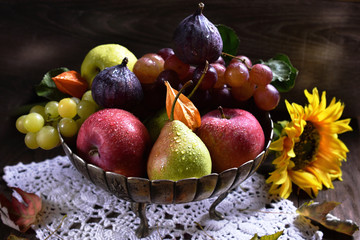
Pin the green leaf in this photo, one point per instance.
(47, 87)
(268, 237)
(284, 73)
(319, 212)
(230, 40)
(278, 127)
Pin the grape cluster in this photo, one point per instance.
(41, 124)
(237, 81)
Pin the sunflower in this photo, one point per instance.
(308, 151)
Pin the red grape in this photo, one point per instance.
(220, 69)
(244, 92)
(266, 97)
(166, 52)
(189, 75)
(148, 67)
(175, 64)
(260, 74)
(220, 60)
(222, 97)
(244, 59)
(209, 79)
(236, 74)
(170, 76)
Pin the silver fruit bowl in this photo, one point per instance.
(142, 191)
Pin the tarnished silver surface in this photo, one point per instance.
(142, 191)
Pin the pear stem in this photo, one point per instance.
(200, 80)
(222, 112)
(188, 83)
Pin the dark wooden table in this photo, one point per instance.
(322, 39)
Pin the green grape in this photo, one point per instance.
(47, 138)
(38, 109)
(30, 140)
(79, 122)
(77, 100)
(20, 124)
(67, 108)
(51, 109)
(85, 108)
(33, 122)
(68, 127)
(88, 97)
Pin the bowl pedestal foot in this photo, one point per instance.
(140, 210)
(212, 211)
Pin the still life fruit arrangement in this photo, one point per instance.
(127, 117)
(196, 110)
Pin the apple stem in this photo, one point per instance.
(188, 83)
(221, 112)
(200, 80)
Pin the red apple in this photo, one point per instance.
(114, 140)
(232, 138)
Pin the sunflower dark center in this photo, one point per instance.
(307, 148)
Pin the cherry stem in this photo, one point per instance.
(242, 60)
(188, 83)
(222, 112)
(200, 80)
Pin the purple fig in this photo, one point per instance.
(196, 39)
(117, 87)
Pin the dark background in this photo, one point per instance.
(322, 39)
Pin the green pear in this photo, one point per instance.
(156, 123)
(178, 153)
(103, 56)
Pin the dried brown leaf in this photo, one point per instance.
(319, 212)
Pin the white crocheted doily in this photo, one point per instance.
(94, 214)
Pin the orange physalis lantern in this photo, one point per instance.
(71, 83)
(184, 110)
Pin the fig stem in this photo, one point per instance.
(242, 60)
(221, 112)
(124, 61)
(200, 80)
(188, 83)
(201, 8)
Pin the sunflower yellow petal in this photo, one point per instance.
(304, 179)
(340, 126)
(277, 145)
(322, 176)
(325, 165)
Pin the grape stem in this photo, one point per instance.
(242, 60)
(188, 83)
(200, 80)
